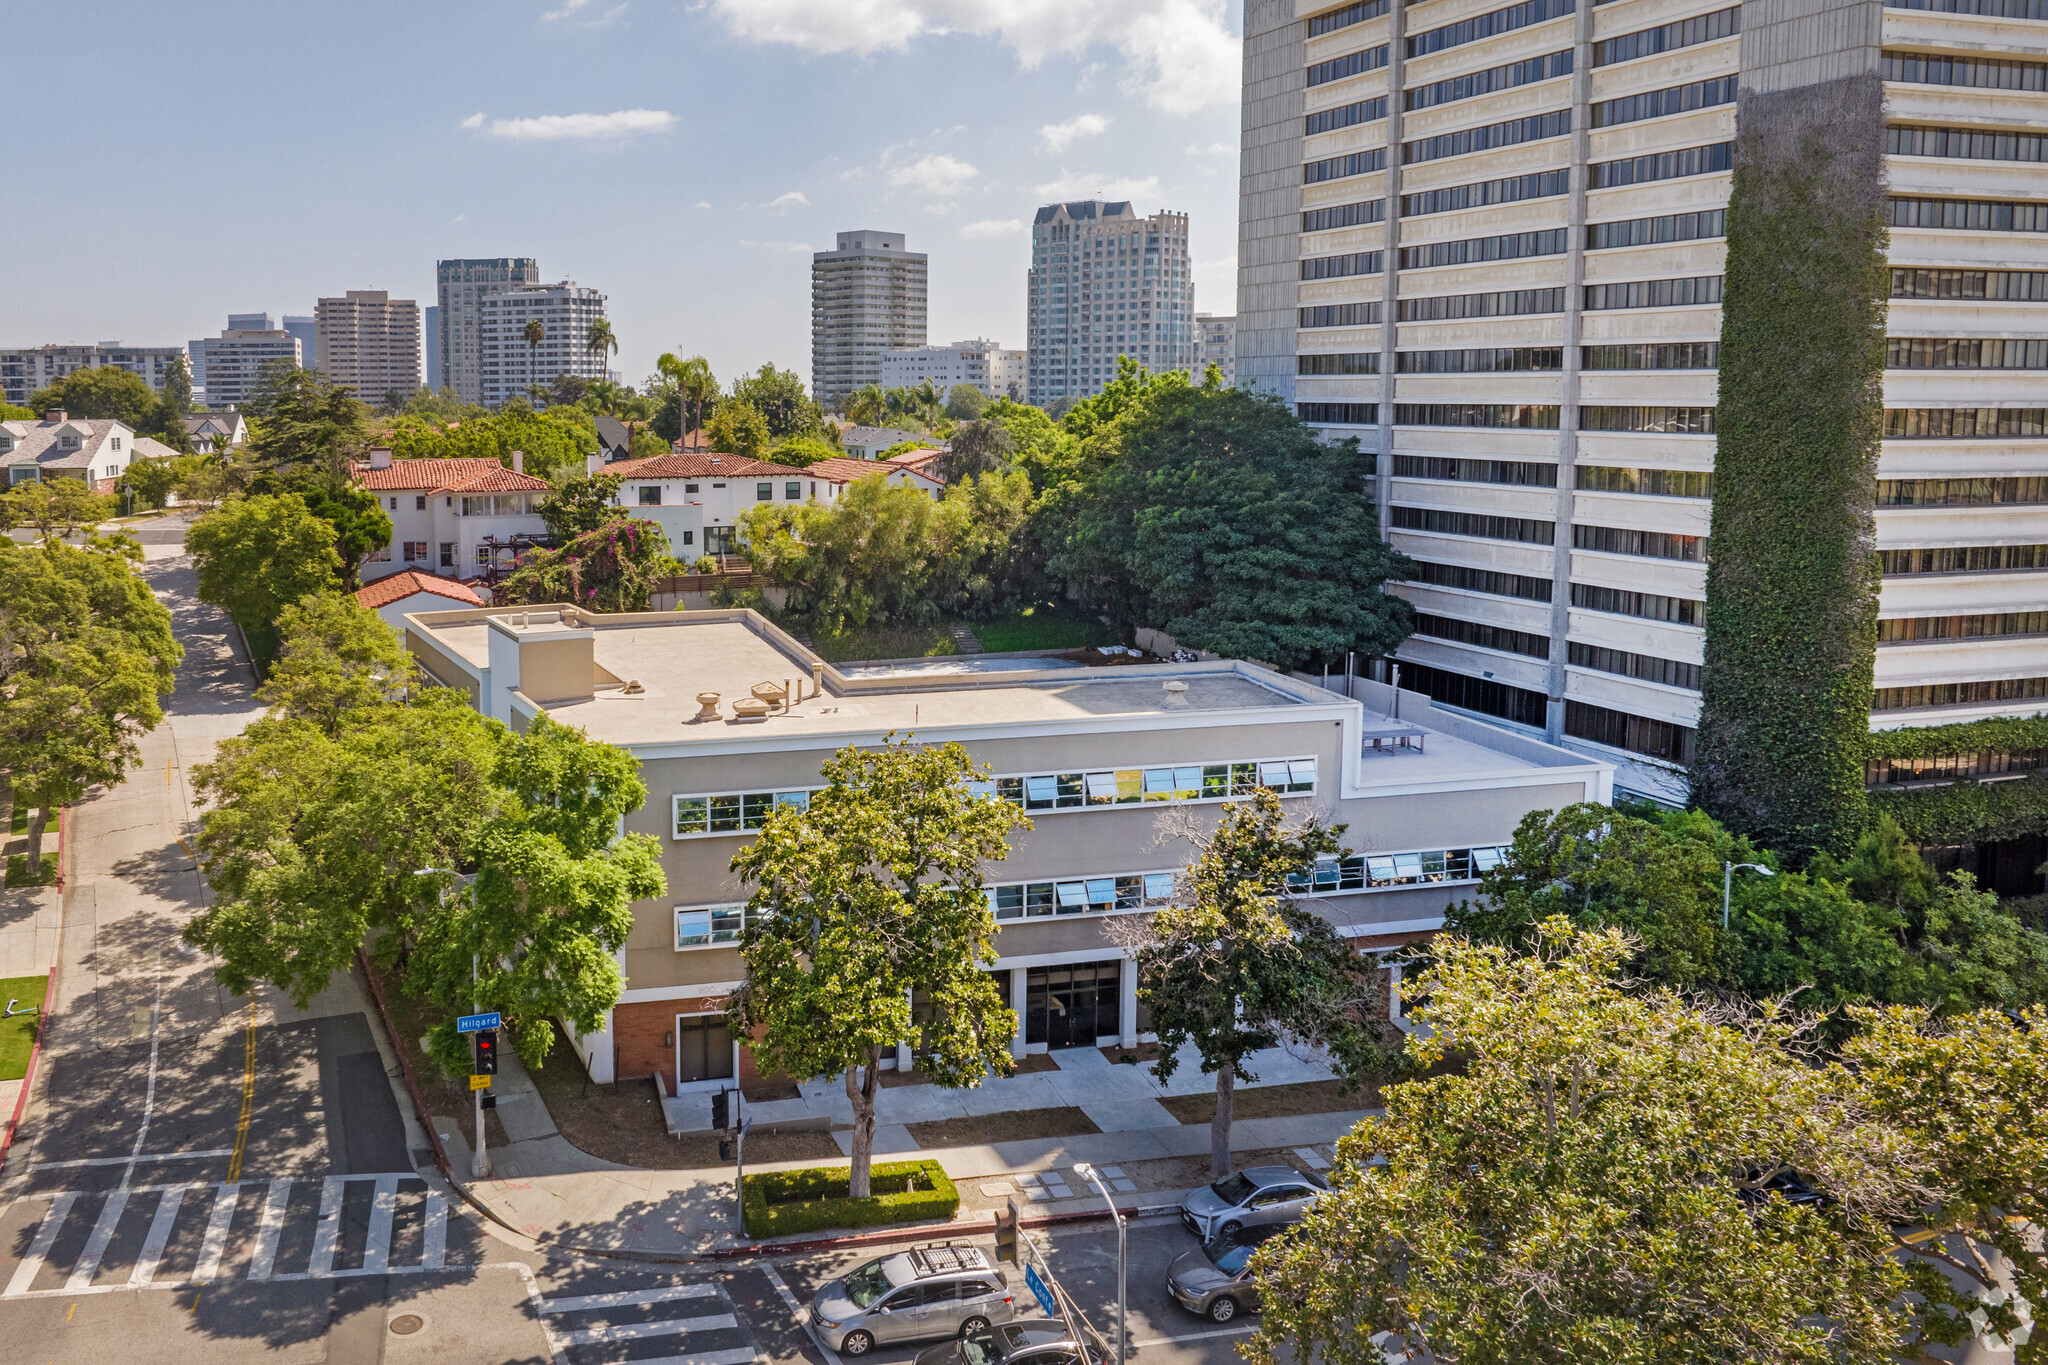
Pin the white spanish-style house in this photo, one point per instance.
(61, 446)
(410, 590)
(697, 499)
(450, 518)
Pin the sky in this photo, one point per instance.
(683, 156)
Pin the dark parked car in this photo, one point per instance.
(1034, 1341)
(1216, 1281)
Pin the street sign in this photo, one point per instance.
(1040, 1292)
(477, 1023)
(479, 1082)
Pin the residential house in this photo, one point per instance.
(98, 450)
(614, 439)
(697, 499)
(451, 518)
(1093, 755)
(217, 431)
(868, 443)
(397, 595)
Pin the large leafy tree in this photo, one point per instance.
(55, 507)
(1219, 517)
(1585, 1175)
(337, 656)
(738, 428)
(257, 554)
(168, 423)
(872, 893)
(779, 396)
(361, 526)
(581, 505)
(102, 392)
(303, 424)
(1236, 965)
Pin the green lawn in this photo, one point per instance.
(17, 870)
(18, 1035)
(1042, 628)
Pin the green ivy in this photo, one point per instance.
(1791, 621)
(1999, 734)
(1968, 812)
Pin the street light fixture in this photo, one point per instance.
(1728, 883)
(1087, 1173)
(479, 1163)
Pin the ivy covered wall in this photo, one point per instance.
(1966, 812)
(1791, 622)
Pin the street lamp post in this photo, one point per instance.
(1728, 884)
(479, 1163)
(1087, 1172)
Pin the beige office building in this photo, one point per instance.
(1489, 240)
(1093, 756)
(369, 342)
(868, 296)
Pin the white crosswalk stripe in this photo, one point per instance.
(603, 1322)
(172, 1236)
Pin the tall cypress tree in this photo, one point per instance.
(1793, 576)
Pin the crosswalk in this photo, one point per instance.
(695, 1322)
(176, 1235)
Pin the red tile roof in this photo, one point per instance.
(450, 476)
(400, 586)
(697, 467)
(919, 460)
(851, 471)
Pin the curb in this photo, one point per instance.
(35, 1052)
(918, 1234)
(412, 1084)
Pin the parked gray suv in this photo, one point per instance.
(934, 1291)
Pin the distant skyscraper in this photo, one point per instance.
(1106, 283)
(463, 286)
(867, 297)
(232, 361)
(25, 369)
(1216, 344)
(431, 330)
(509, 365)
(307, 330)
(370, 342)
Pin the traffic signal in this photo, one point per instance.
(1006, 1234)
(486, 1052)
(721, 1111)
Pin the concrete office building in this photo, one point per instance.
(867, 297)
(370, 342)
(1216, 344)
(1092, 755)
(232, 361)
(24, 369)
(1533, 350)
(462, 287)
(307, 330)
(508, 365)
(430, 331)
(982, 363)
(1105, 283)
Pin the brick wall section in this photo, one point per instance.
(639, 1030)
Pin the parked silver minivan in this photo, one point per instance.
(934, 1291)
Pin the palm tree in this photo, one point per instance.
(699, 387)
(868, 406)
(602, 343)
(535, 334)
(929, 401)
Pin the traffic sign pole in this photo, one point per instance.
(479, 1164)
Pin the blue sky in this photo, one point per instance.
(684, 156)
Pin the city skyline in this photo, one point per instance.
(623, 171)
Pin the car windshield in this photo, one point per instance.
(868, 1283)
(1233, 1189)
(982, 1348)
(1228, 1257)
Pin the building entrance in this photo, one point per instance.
(703, 1048)
(1074, 1005)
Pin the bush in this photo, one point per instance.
(779, 1203)
(705, 564)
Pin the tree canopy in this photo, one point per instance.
(257, 554)
(612, 568)
(739, 428)
(779, 396)
(103, 393)
(581, 505)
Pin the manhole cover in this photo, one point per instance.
(405, 1324)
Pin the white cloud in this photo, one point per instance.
(1093, 184)
(786, 248)
(993, 227)
(1213, 149)
(1180, 54)
(556, 127)
(937, 174)
(783, 203)
(583, 13)
(703, 203)
(1057, 137)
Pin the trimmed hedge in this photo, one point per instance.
(779, 1203)
(1792, 579)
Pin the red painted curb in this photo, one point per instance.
(35, 1052)
(914, 1234)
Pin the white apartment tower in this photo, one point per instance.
(463, 286)
(509, 364)
(1105, 283)
(370, 342)
(1216, 344)
(982, 363)
(228, 366)
(1488, 240)
(25, 369)
(868, 295)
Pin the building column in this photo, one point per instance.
(903, 1058)
(1127, 1001)
(1018, 995)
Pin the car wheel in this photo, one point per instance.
(857, 1344)
(1223, 1309)
(1230, 1229)
(973, 1325)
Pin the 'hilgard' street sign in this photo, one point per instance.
(477, 1023)
(1039, 1291)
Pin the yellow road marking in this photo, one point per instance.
(248, 1096)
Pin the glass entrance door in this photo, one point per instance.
(703, 1048)
(1071, 1006)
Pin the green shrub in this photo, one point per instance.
(779, 1203)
